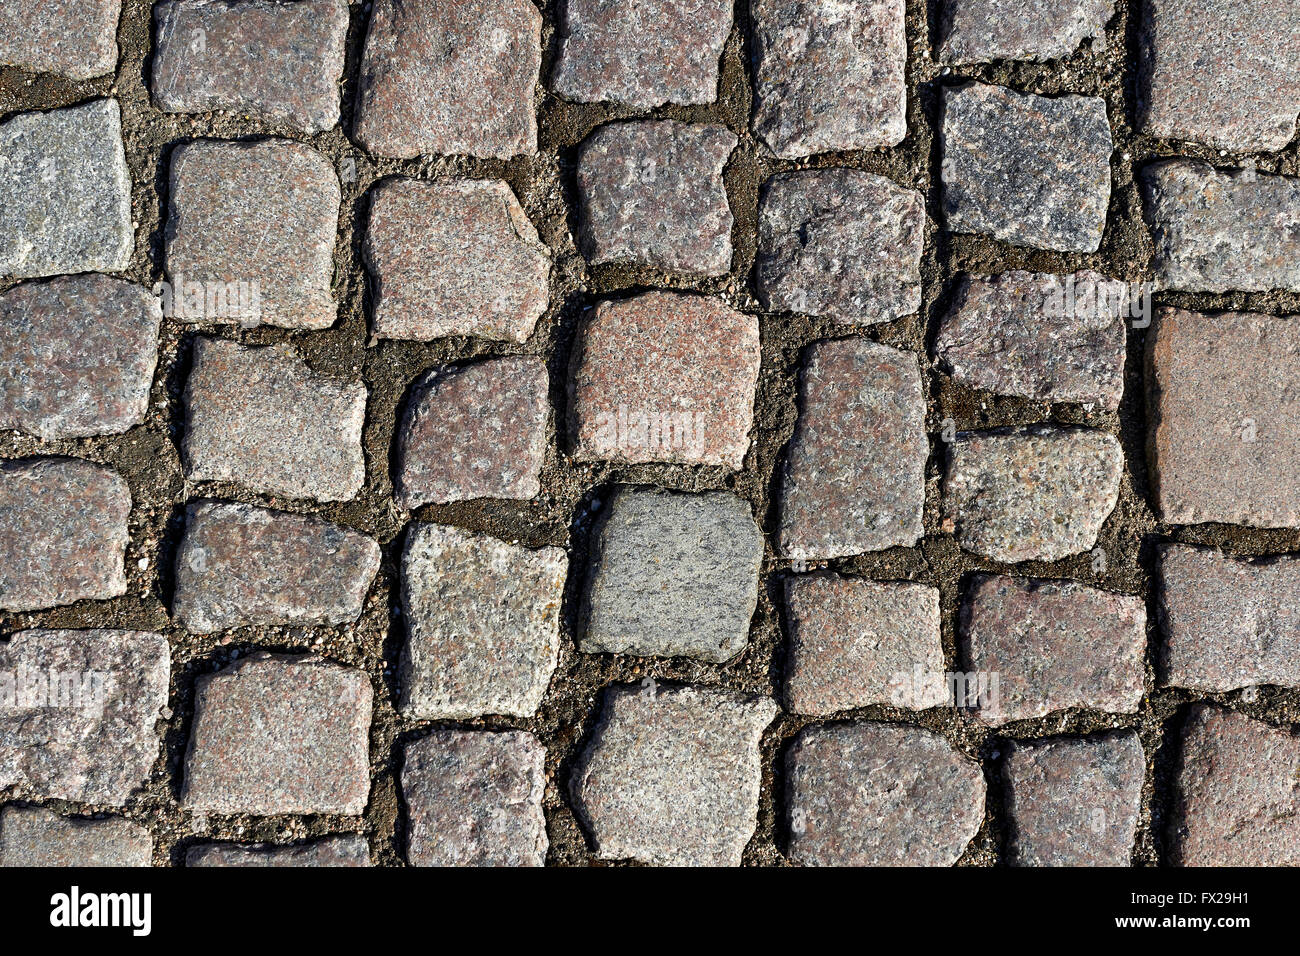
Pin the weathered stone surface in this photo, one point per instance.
(279, 61)
(974, 31)
(871, 794)
(450, 77)
(854, 476)
(672, 575)
(77, 356)
(1219, 72)
(1223, 230)
(349, 850)
(238, 565)
(65, 192)
(37, 837)
(840, 243)
(1228, 623)
(78, 711)
(1052, 338)
(665, 377)
(262, 418)
(454, 257)
(1035, 493)
(74, 38)
(474, 431)
(1223, 417)
(63, 533)
(280, 733)
(651, 194)
(250, 234)
(1045, 645)
(482, 623)
(1029, 170)
(829, 74)
(1238, 801)
(474, 798)
(641, 54)
(855, 642)
(1075, 802)
(671, 775)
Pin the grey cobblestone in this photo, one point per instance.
(37, 837)
(975, 31)
(74, 38)
(331, 851)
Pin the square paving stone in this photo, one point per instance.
(238, 565)
(482, 624)
(671, 775)
(279, 61)
(250, 234)
(842, 244)
(78, 713)
(855, 642)
(1028, 170)
(871, 794)
(854, 477)
(451, 78)
(1050, 338)
(474, 798)
(37, 837)
(976, 31)
(260, 417)
(1228, 623)
(65, 192)
(672, 575)
(1219, 230)
(650, 193)
(474, 431)
(77, 356)
(63, 533)
(641, 54)
(1042, 646)
(1220, 72)
(829, 74)
(280, 733)
(347, 850)
(454, 257)
(1035, 493)
(1238, 803)
(74, 38)
(1075, 802)
(1223, 417)
(665, 377)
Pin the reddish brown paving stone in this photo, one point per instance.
(238, 565)
(77, 356)
(855, 642)
(260, 417)
(63, 533)
(1228, 623)
(665, 377)
(474, 798)
(641, 54)
(854, 476)
(872, 794)
(279, 733)
(1075, 802)
(1044, 646)
(650, 193)
(37, 837)
(258, 220)
(450, 77)
(1223, 435)
(454, 257)
(474, 431)
(349, 850)
(98, 741)
(1238, 804)
(976, 31)
(74, 38)
(1220, 72)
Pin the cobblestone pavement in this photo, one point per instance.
(683, 431)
